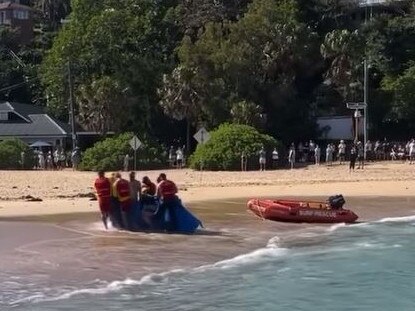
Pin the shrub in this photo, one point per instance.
(11, 155)
(109, 154)
(223, 150)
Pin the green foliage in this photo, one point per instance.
(11, 155)
(247, 113)
(125, 42)
(404, 89)
(159, 62)
(223, 150)
(109, 154)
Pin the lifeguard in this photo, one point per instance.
(122, 192)
(102, 186)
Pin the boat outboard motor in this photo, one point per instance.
(336, 201)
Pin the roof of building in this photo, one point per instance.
(11, 5)
(32, 121)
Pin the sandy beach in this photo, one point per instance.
(64, 192)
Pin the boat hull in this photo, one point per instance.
(300, 212)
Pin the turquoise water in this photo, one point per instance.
(368, 266)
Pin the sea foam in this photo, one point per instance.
(270, 252)
(397, 219)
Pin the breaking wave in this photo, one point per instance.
(270, 252)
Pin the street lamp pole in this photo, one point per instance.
(368, 16)
(71, 106)
(357, 116)
(366, 99)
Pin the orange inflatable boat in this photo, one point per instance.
(301, 211)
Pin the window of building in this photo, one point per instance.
(2, 18)
(4, 116)
(21, 14)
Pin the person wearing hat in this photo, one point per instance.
(342, 151)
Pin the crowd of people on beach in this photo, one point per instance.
(132, 205)
(354, 152)
(57, 159)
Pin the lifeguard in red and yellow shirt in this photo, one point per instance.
(121, 191)
(166, 189)
(102, 186)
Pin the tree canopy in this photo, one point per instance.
(156, 66)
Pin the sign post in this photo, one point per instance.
(357, 115)
(202, 136)
(135, 143)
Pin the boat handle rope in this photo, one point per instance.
(259, 210)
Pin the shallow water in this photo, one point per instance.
(242, 264)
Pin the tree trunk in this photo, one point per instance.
(187, 136)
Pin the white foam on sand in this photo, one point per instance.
(270, 252)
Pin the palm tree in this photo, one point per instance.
(342, 48)
(180, 98)
(247, 113)
(101, 105)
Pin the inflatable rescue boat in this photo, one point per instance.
(303, 211)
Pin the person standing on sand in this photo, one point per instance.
(300, 151)
(22, 159)
(312, 149)
(411, 151)
(353, 157)
(317, 154)
(262, 159)
(49, 161)
(369, 151)
(42, 162)
(360, 156)
(244, 161)
(275, 159)
(76, 158)
(342, 151)
(171, 156)
(329, 154)
(179, 158)
(126, 163)
(102, 187)
(291, 156)
(306, 151)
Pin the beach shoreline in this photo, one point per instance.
(69, 192)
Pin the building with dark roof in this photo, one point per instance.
(19, 17)
(31, 124)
